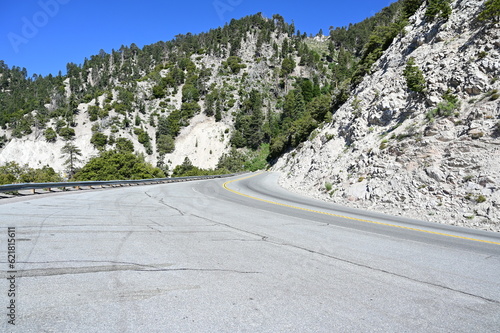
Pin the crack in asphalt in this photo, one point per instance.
(165, 204)
(172, 207)
(93, 261)
(392, 273)
(110, 268)
(266, 239)
(235, 240)
(154, 229)
(230, 227)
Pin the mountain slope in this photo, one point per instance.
(230, 81)
(431, 155)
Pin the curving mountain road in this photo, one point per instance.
(239, 255)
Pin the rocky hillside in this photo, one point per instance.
(195, 97)
(428, 151)
(232, 98)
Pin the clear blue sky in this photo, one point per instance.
(44, 35)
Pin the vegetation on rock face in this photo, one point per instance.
(99, 140)
(124, 145)
(438, 8)
(234, 63)
(50, 135)
(144, 138)
(445, 108)
(415, 79)
(491, 11)
(361, 44)
(165, 144)
(67, 133)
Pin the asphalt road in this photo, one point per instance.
(247, 257)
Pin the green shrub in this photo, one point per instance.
(410, 7)
(93, 112)
(438, 8)
(99, 140)
(50, 135)
(158, 92)
(103, 113)
(468, 178)
(12, 172)
(415, 79)
(144, 138)
(124, 145)
(110, 165)
(482, 55)
(188, 169)
(259, 159)
(302, 128)
(380, 39)
(493, 95)
(138, 120)
(445, 108)
(165, 144)
(44, 175)
(120, 108)
(234, 161)
(328, 186)
(491, 11)
(480, 198)
(287, 66)
(431, 114)
(234, 63)
(67, 133)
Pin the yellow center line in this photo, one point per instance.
(225, 185)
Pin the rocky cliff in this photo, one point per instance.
(433, 155)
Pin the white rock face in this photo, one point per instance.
(203, 142)
(386, 155)
(36, 152)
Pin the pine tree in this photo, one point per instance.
(491, 11)
(287, 66)
(415, 79)
(411, 6)
(71, 152)
(438, 7)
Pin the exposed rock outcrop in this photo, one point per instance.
(389, 149)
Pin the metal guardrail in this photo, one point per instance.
(78, 185)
